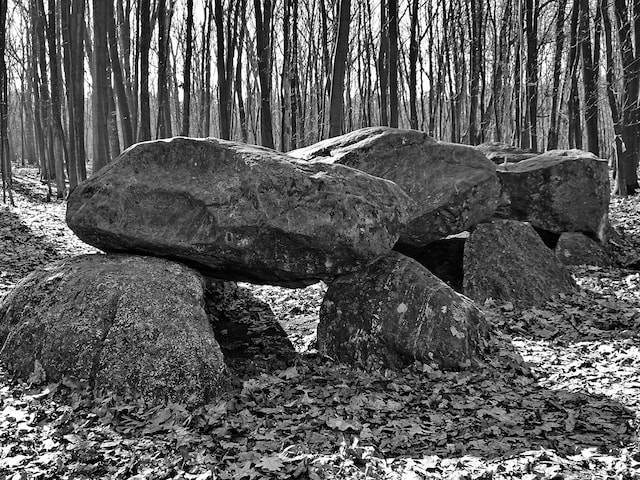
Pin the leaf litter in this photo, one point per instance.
(559, 397)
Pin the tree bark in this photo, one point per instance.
(590, 77)
(118, 79)
(186, 103)
(554, 121)
(532, 11)
(341, 49)
(575, 126)
(413, 66)
(393, 63)
(630, 81)
(264, 11)
(476, 70)
(383, 62)
(144, 110)
(100, 94)
(56, 107)
(5, 162)
(163, 128)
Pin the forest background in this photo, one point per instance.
(80, 81)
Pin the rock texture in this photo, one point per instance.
(507, 261)
(500, 153)
(394, 312)
(574, 248)
(239, 212)
(129, 324)
(454, 186)
(559, 191)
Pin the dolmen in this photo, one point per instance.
(378, 214)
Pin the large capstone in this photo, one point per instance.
(454, 186)
(559, 191)
(395, 312)
(128, 324)
(507, 261)
(239, 212)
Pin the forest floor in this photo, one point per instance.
(559, 398)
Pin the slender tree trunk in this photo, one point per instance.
(476, 70)
(556, 97)
(614, 105)
(630, 80)
(531, 14)
(341, 48)
(293, 76)
(205, 98)
(186, 104)
(238, 83)
(575, 126)
(383, 62)
(100, 94)
(5, 162)
(144, 44)
(118, 80)
(413, 67)
(163, 128)
(264, 11)
(590, 76)
(393, 63)
(69, 58)
(56, 107)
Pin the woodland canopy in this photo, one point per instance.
(83, 80)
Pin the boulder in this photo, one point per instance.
(127, 324)
(454, 186)
(500, 153)
(559, 191)
(238, 212)
(507, 261)
(574, 248)
(395, 312)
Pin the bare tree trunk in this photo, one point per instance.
(264, 11)
(531, 14)
(5, 159)
(590, 76)
(163, 128)
(69, 58)
(238, 82)
(56, 108)
(614, 104)
(630, 80)
(118, 80)
(100, 94)
(552, 142)
(205, 98)
(341, 48)
(476, 70)
(575, 125)
(393, 63)
(383, 62)
(144, 44)
(413, 67)
(186, 103)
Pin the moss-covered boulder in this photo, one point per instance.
(558, 191)
(454, 186)
(507, 261)
(128, 324)
(395, 312)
